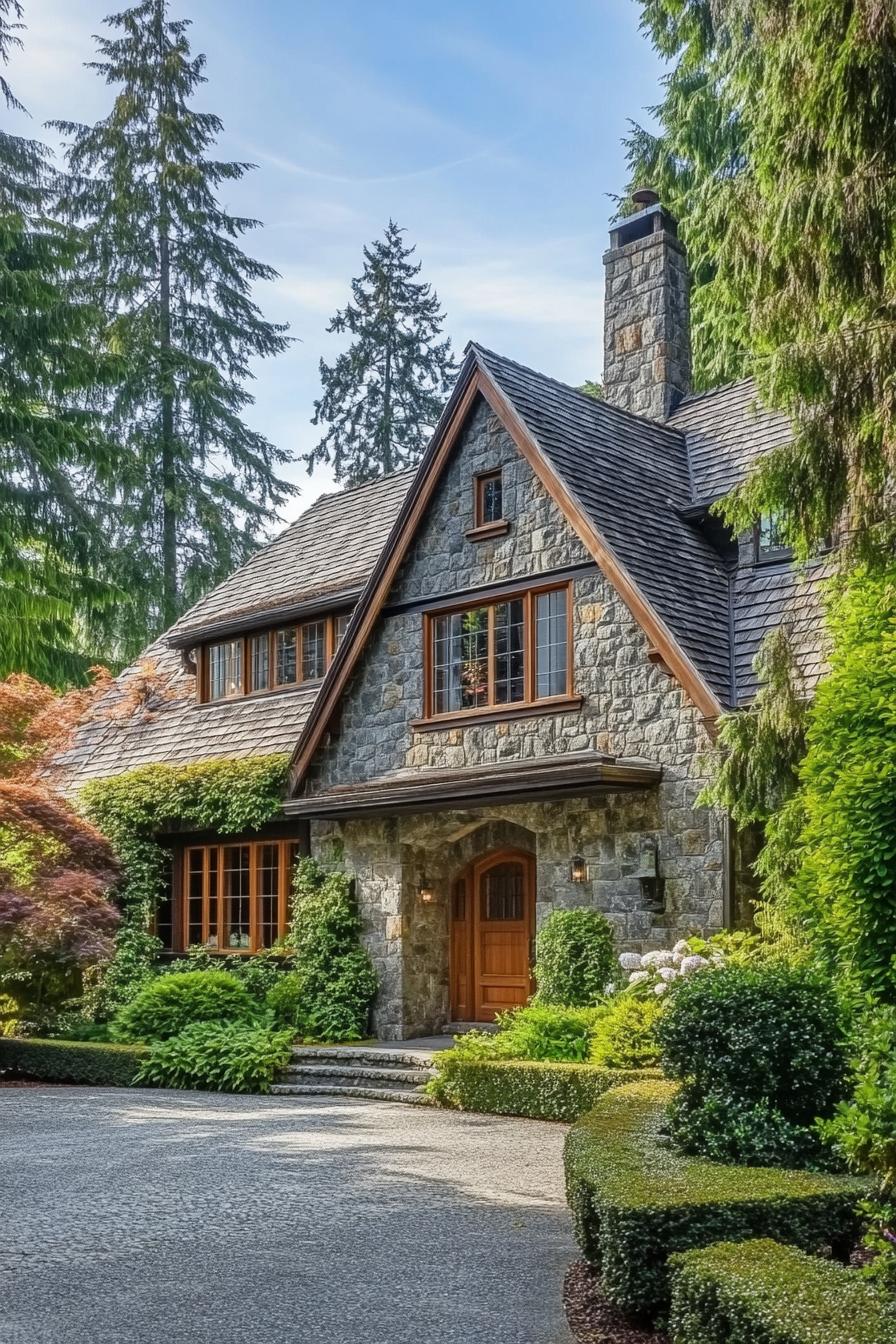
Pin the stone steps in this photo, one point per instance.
(461, 1028)
(357, 1071)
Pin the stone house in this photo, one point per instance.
(498, 675)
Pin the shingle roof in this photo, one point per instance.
(631, 476)
(727, 431)
(769, 596)
(330, 548)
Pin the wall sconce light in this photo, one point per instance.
(578, 869)
(648, 875)
(426, 892)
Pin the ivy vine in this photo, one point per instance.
(133, 809)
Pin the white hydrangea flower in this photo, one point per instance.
(611, 987)
(630, 961)
(681, 948)
(692, 964)
(661, 957)
(660, 988)
(638, 977)
(668, 973)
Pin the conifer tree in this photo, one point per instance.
(166, 264)
(382, 397)
(56, 467)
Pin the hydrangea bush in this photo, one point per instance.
(655, 972)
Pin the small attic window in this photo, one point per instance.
(489, 498)
(769, 542)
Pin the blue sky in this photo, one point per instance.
(490, 129)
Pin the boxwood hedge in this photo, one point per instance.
(635, 1200)
(759, 1292)
(91, 1062)
(541, 1090)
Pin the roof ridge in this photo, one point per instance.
(596, 403)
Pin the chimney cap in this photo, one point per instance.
(645, 196)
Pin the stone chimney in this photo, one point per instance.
(647, 345)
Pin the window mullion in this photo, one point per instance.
(491, 653)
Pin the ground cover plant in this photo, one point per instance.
(218, 1057)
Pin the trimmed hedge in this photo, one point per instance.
(91, 1062)
(759, 1292)
(541, 1090)
(635, 1200)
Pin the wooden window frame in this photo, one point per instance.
(483, 529)
(254, 846)
(530, 703)
(768, 555)
(203, 679)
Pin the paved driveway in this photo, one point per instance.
(134, 1217)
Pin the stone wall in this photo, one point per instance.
(631, 708)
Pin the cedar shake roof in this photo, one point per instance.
(727, 431)
(329, 550)
(631, 476)
(636, 480)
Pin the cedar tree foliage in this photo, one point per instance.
(776, 147)
(383, 396)
(56, 466)
(165, 263)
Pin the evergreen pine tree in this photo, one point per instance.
(56, 467)
(166, 264)
(382, 397)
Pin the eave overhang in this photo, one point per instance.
(540, 779)
(262, 618)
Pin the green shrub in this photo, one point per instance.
(760, 1052)
(575, 958)
(635, 1200)
(336, 977)
(542, 1091)
(547, 1031)
(625, 1033)
(93, 1063)
(284, 1000)
(216, 1057)
(258, 974)
(759, 1292)
(169, 1003)
(864, 1130)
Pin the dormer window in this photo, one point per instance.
(769, 542)
(270, 660)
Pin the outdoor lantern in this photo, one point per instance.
(649, 876)
(578, 869)
(426, 893)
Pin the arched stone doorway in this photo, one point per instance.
(492, 927)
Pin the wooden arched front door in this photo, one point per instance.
(492, 926)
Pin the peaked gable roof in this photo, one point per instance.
(586, 454)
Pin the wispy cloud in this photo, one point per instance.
(290, 166)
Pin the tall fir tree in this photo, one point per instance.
(383, 396)
(776, 148)
(57, 469)
(167, 267)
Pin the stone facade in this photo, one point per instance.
(647, 349)
(631, 708)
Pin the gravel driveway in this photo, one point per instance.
(136, 1217)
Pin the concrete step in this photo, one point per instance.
(356, 1074)
(361, 1055)
(408, 1097)
(461, 1028)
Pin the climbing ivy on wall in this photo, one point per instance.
(133, 809)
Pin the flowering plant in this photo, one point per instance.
(654, 972)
